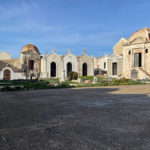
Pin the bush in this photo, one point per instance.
(103, 83)
(115, 81)
(65, 84)
(73, 76)
(123, 80)
(133, 82)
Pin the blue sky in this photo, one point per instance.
(96, 25)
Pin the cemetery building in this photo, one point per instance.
(111, 65)
(25, 67)
(136, 54)
(59, 66)
(130, 59)
(32, 65)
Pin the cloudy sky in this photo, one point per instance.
(77, 24)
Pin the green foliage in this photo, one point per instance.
(73, 76)
(115, 81)
(50, 80)
(134, 82)
(87, 77)
(123, 80)
(102, 79)
(50, 83)
(65, 84)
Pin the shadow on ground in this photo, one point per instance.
(74, 119)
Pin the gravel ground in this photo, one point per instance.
(107, 118)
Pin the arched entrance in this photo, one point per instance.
(84, 69)
(53, 69)
(31, 64)
(7, 74)
(69, 68)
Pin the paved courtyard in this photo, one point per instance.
(106, 118)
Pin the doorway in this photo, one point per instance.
(138, 60)
(7, 74)
(69, 68)
(114, 68)
(84, 69)
(31, 64)
(53, 69)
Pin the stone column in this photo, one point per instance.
(92, 58)
(63, 70)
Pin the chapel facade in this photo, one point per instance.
(136, 54)
(59, 66)
(26, 67)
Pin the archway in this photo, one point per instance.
(7, 74)
(53, 69)
(69, 68)
(31, 64)
(84, 69)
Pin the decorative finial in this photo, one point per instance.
(69, 50)
(84, 51)
(53, 50)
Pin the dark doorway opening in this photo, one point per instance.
(69, 68)
(53, 69)
(7, 74)
(31, 64)
(104, 65)
(84, 69)
(114, 68)
(138, 60)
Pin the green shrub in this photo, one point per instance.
(134, 82)
(103, 83)
(123, 80)
(73, 76)
(65, 84)
(115, 81)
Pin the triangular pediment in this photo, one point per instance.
(115, 56)
(138, 40)
(120, 43)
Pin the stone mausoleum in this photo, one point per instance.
(136, 54)
(32, 65)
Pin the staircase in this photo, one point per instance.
(148, 74)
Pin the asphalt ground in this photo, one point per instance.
(106, 118)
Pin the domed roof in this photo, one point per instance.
(30, 47)
(142, 33)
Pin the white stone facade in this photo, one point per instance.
(62, 63)
(106, 64)
(13, 75)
